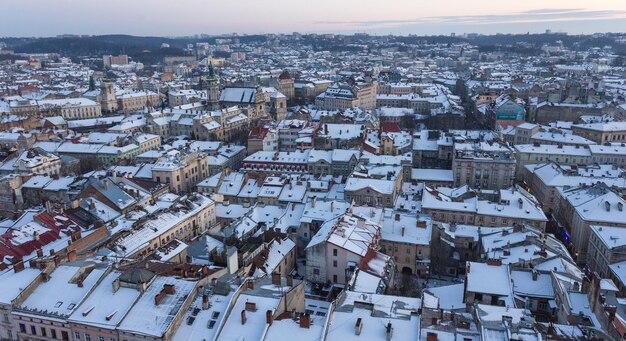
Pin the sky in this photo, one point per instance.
(422, 17)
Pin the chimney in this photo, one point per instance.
(607, 205)
(269, 318)
(243, 317)
(276, 278)
(251, 306)
(71, 256)
(76, 236)
(250, 284)
(389, 331)
(79, 283)
(205, 302)
(494, 262)
(169, 289)
(535, 274)
(92, 205)
(36, 235)
(45, 277)
(397, 216)
(18, 266)
(430, 336)
(305, 320)
(358, 326)
(51, 252)
(116, 285)
(39, 253)
(159, 297)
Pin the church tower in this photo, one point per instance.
(213, 90)
(107, 94)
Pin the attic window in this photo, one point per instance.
(59, 303)
(71, 306)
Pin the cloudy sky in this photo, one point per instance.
(187, 17)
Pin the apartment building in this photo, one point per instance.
(483, 165)
(181, 172)
(577, 209)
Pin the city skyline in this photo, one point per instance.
(400, 17)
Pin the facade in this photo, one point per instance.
(601, 133)
(464, 206)
(70, 108)
(607, 246)
(483, 165)
(577, 209)
(131, 101)
(346, 95)
(262, 138)
(406, 237)
(195, 216)
(181, 173)
(333, 253)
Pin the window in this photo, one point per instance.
(335, 252)
(334, 263)
(65, 335)
(22, 328)
(87, 337)
(335, 278)
(53, 333)
(10, 334)
(316, 271)
(43, 331)
(33, 330)
(77, 336)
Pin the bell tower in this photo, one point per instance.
(213, 90)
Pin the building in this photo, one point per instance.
(70, 108)
(341, 96)
(537, 153)
(245, 97)
(262, 138)
(543, 180)
(32, 161)
(40, 315)
(276, 162)
(194, 216)
(607, 246)
(601, 133)
(129, 101)
(181, 172)
(577, 209)
(108, 60)
(483, 165)
(496, 291)
(465, 206)
(406, 237)
(334, 252)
